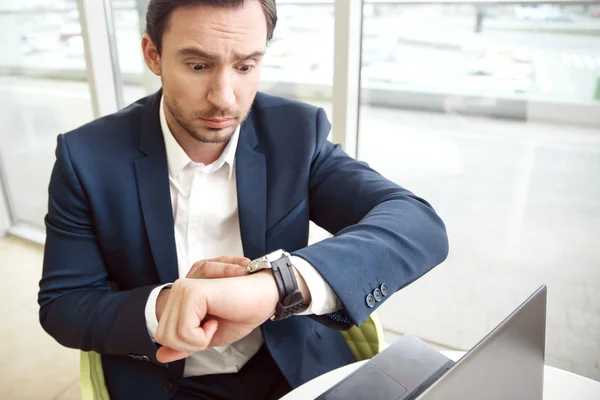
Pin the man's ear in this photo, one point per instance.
(151, 56)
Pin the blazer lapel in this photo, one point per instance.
(251, 177)
(152, 174)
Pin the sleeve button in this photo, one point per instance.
(384, 289)
(377, 295)
(370, 301)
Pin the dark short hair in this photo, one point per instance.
(159, 11)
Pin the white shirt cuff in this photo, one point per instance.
(324, 300)
(151, 321)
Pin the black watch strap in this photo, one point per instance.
(291, 300)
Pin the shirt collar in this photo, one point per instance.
(178, 159)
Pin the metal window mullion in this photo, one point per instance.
(114, 55)
(102, 70)
(346, 73)
(5, 214)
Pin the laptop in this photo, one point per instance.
(506, 364)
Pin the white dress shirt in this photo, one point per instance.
(205, 213)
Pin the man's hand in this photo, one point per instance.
(220, 267)
(201, 313)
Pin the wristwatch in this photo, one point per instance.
(291, 300)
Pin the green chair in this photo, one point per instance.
(365, 342)
(91, 379)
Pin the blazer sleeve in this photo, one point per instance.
(383, 234)
(77, 307)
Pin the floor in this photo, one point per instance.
(33, 365)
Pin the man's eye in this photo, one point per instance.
(196, 67)
(246, 68)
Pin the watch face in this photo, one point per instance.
(275, 255)
(257, 265)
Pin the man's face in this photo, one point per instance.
(210, 67)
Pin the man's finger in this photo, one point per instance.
(210, 328)
(166, 355)
(213, 270)
(169, 318)
(193, 331)
(229, 270)
(242, 261)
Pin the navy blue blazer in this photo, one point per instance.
(110, 237)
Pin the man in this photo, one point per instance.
(156, 211)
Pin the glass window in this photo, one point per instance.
(43, 92)
(294, 66)
(129, 18)
(490, 112)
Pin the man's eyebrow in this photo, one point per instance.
(196, 52)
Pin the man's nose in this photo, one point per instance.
(221, 93)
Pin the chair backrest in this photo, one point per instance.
(91, 377)
(365, 341)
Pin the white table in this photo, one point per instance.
(558, 384)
